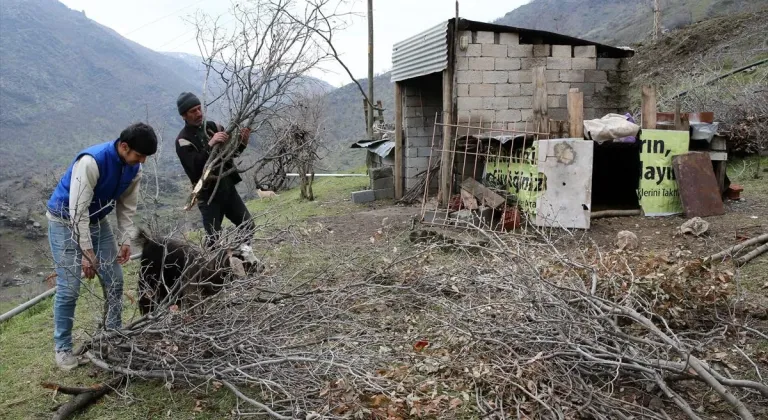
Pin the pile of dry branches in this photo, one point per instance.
(489, 330)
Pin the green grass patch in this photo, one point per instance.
(26, 360)
(332, 198)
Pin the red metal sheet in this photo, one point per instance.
(699, 192)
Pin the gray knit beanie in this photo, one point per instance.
(186, 101)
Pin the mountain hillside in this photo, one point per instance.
(345, 120)
(66, 82)
(619, 22)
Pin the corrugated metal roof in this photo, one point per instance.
(421, 54)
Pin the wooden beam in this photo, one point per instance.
(540, 111)
(446, 167)
(576, 114)
(649, 107)
(398, 141)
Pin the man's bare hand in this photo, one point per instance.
(217, 138)
(245, 134)
(89, 263)
(124, 254)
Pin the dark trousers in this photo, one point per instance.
(227, 203)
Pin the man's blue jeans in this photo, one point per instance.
(67, 258)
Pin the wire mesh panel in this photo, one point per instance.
(494, 181)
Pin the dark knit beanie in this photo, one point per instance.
(186, 101)
(141, 138)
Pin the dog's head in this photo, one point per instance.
(243, 261)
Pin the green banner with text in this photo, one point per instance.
(658, 193)
(518, 175)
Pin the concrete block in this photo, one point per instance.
(495, 76)
(520, 102)
(415, 100)
(585, 51)
(366, 196)
(520, 76)
(494, 50)
(558, 63)
(462, 63)
(600, 87)
(595, 76)
(587, 88)
(424, 151)
(508, 115)
(481, 90)
(473, 50)
(381, 183)
(552, 75)
(381, 173)
(411, 152)
(384, 193)
(542, 50)
(560, 114)
(484, 37)
(507, 64)
(572, 76)
(419, 163)
(462, 89)
(529, 63)
(562, 51)
(526, 89)
(469, 103)
(520, 51)
(481, 63)
(468, 76)
(495, 103)
(509, 38)
(413, 142)
(583, 63)
(557, 101)
(610, 64)
(508, 89)
(558, 88)
(526, 114)
(475, 116)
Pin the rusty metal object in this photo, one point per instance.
(699, 192)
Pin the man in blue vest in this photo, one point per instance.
(101, 178)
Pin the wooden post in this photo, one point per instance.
(398, 141)
(446, 162)
(576, 113)
(369, 121)
(649, 107)
(540, 111)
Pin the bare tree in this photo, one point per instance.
(255, 68)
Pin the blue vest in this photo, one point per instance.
(115, 176)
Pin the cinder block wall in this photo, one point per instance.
(423, 101)
(495, 80)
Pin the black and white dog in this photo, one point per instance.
(173, 267)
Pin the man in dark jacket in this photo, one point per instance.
(101, 178)
(193, 146)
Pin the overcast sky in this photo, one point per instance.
(161, 26)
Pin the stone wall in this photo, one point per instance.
(495, 81)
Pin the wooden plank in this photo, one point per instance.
(399, 141)
(576, 114)
(540, 110)
(484, 195)
(649, 107)
(446, 168)
(699, 192)
(567, 200)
